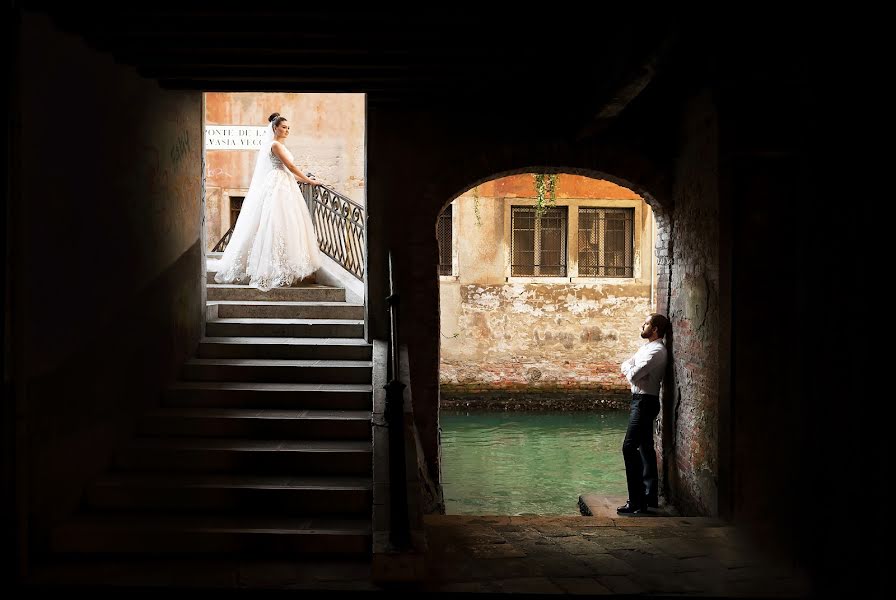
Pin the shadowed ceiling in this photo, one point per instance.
(576, 68)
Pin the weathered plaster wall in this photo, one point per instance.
(539, 335)
(551, 337)
(106, 296)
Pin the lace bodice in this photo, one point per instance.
(276, 162)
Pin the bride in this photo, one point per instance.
(273, 243)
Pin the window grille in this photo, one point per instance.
(443, 235)
(606, 242)
(538, 244)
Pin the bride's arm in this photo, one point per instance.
(278, 149)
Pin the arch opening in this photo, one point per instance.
(540, 300)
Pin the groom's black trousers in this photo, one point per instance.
(638, 452)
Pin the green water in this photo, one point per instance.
(530, 463)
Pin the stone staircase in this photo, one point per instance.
(262, 448)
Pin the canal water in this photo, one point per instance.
(536, 463)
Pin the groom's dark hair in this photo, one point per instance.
(660, 322)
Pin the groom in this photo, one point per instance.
(644, 372)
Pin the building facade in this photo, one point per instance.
(540, 302)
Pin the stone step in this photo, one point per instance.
(303, 293)
(258, 424)
(286, 348)
(269, 495)
(340, 396)
(311, 279)
(320, 328)
(277, 370)
(269, 309)
(213, 455)
(186, 534)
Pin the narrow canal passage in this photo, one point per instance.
(530, 462)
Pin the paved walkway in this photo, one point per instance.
(656, 555)
(600, 555)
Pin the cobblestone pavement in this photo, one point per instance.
(658, 555)
(598, 555)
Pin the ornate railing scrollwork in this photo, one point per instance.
(339, 223)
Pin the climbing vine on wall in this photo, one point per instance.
(545, 192)
(476, 206)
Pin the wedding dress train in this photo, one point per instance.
(273, 243)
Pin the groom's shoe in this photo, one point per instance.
(651, 502)
(629, 509)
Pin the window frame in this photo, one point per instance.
(537, 232)
(224, 213)
(641, 235)
(455, 218)
(601, 249)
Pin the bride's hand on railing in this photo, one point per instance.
(313, 181)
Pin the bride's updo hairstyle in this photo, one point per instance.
(275, 120)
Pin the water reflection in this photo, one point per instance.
(530, 463)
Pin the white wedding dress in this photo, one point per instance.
(273, 243)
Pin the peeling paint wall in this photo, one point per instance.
(326, 138)
(549, 336)
(553, 334)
